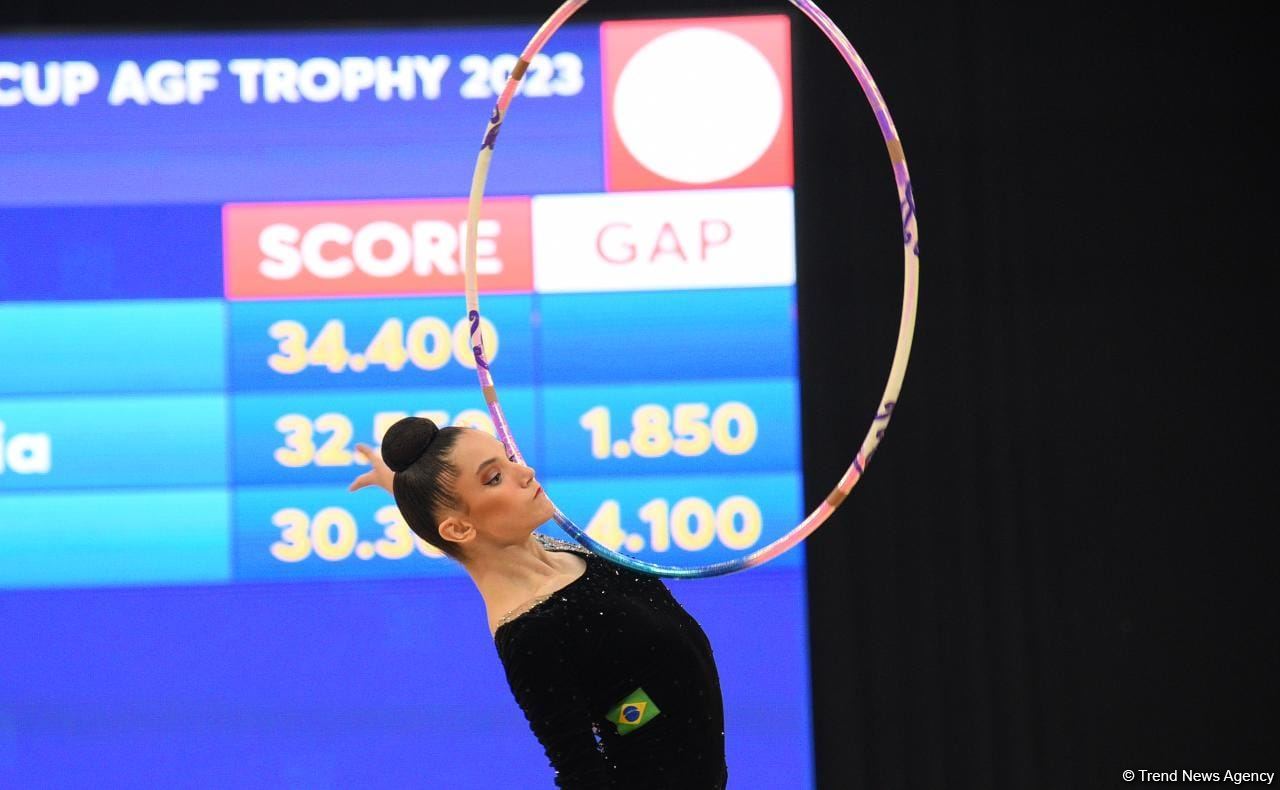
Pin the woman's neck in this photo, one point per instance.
(509, 576)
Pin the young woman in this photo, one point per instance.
(617, 681)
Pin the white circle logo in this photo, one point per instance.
(697, 105)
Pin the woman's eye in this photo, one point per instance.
(494, 480)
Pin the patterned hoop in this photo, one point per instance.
(911, 246)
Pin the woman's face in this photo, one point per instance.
(503, 501)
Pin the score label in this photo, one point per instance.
(371, 248)
(333, 535)
(687, 429)
(324, 532)
(722, 426)
(374, 343)
(327, 440)
(429, 343)
(690, 519)
(694, 523)
(306, 438)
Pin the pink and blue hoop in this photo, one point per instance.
(906, 329)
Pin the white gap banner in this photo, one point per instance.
(663, 241)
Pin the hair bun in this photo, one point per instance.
(406, 441)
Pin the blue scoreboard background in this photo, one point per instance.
(227, 258)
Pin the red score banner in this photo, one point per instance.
(372, 248)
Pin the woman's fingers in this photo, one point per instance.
(373, 456)
(379, 475)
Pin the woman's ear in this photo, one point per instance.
(456, 530)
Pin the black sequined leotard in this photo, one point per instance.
(611, 648)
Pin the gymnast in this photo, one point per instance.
(618, 681)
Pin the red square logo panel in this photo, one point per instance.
(692, 103)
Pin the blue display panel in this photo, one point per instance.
(668, 336)
(191, 231)
(121, 442)
(108, 252)
(104, 347)
(90, 539)
(331, 685)
(297, 116)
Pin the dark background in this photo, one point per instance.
(1058, 565)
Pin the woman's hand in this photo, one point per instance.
(380, 475)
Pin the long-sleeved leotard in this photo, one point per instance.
(615, 642)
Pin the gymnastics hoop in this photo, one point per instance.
(906, 328)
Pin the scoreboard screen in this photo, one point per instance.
(228, 258)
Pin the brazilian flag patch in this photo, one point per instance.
(635, 711)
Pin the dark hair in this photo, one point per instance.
(417, 450)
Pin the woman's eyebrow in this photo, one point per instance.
(485, 463)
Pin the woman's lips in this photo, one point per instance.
(537, 493)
